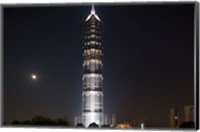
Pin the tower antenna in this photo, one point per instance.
(93, 9)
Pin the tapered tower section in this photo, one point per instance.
(92, 80)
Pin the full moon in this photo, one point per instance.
(34, 77)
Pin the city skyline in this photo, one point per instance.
(148, 60)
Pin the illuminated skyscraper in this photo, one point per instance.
(92, 80)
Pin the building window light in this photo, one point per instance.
(92, 35)
(92, 42)
(92, 30)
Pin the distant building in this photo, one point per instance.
(77, 120)
(110, 119)
(106, 119)
(188, 113)
(174, 118)
(113, 120)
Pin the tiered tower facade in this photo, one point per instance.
(92, 80)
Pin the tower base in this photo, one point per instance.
(92, 117)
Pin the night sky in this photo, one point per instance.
(148, 60)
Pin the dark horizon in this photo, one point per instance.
(148, 60)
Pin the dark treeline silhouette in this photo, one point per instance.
(40, 120)
(80, 125)
(105, 126)
(189, 124)
(45, 121)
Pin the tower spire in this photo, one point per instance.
(92, 12)
(93, 9)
